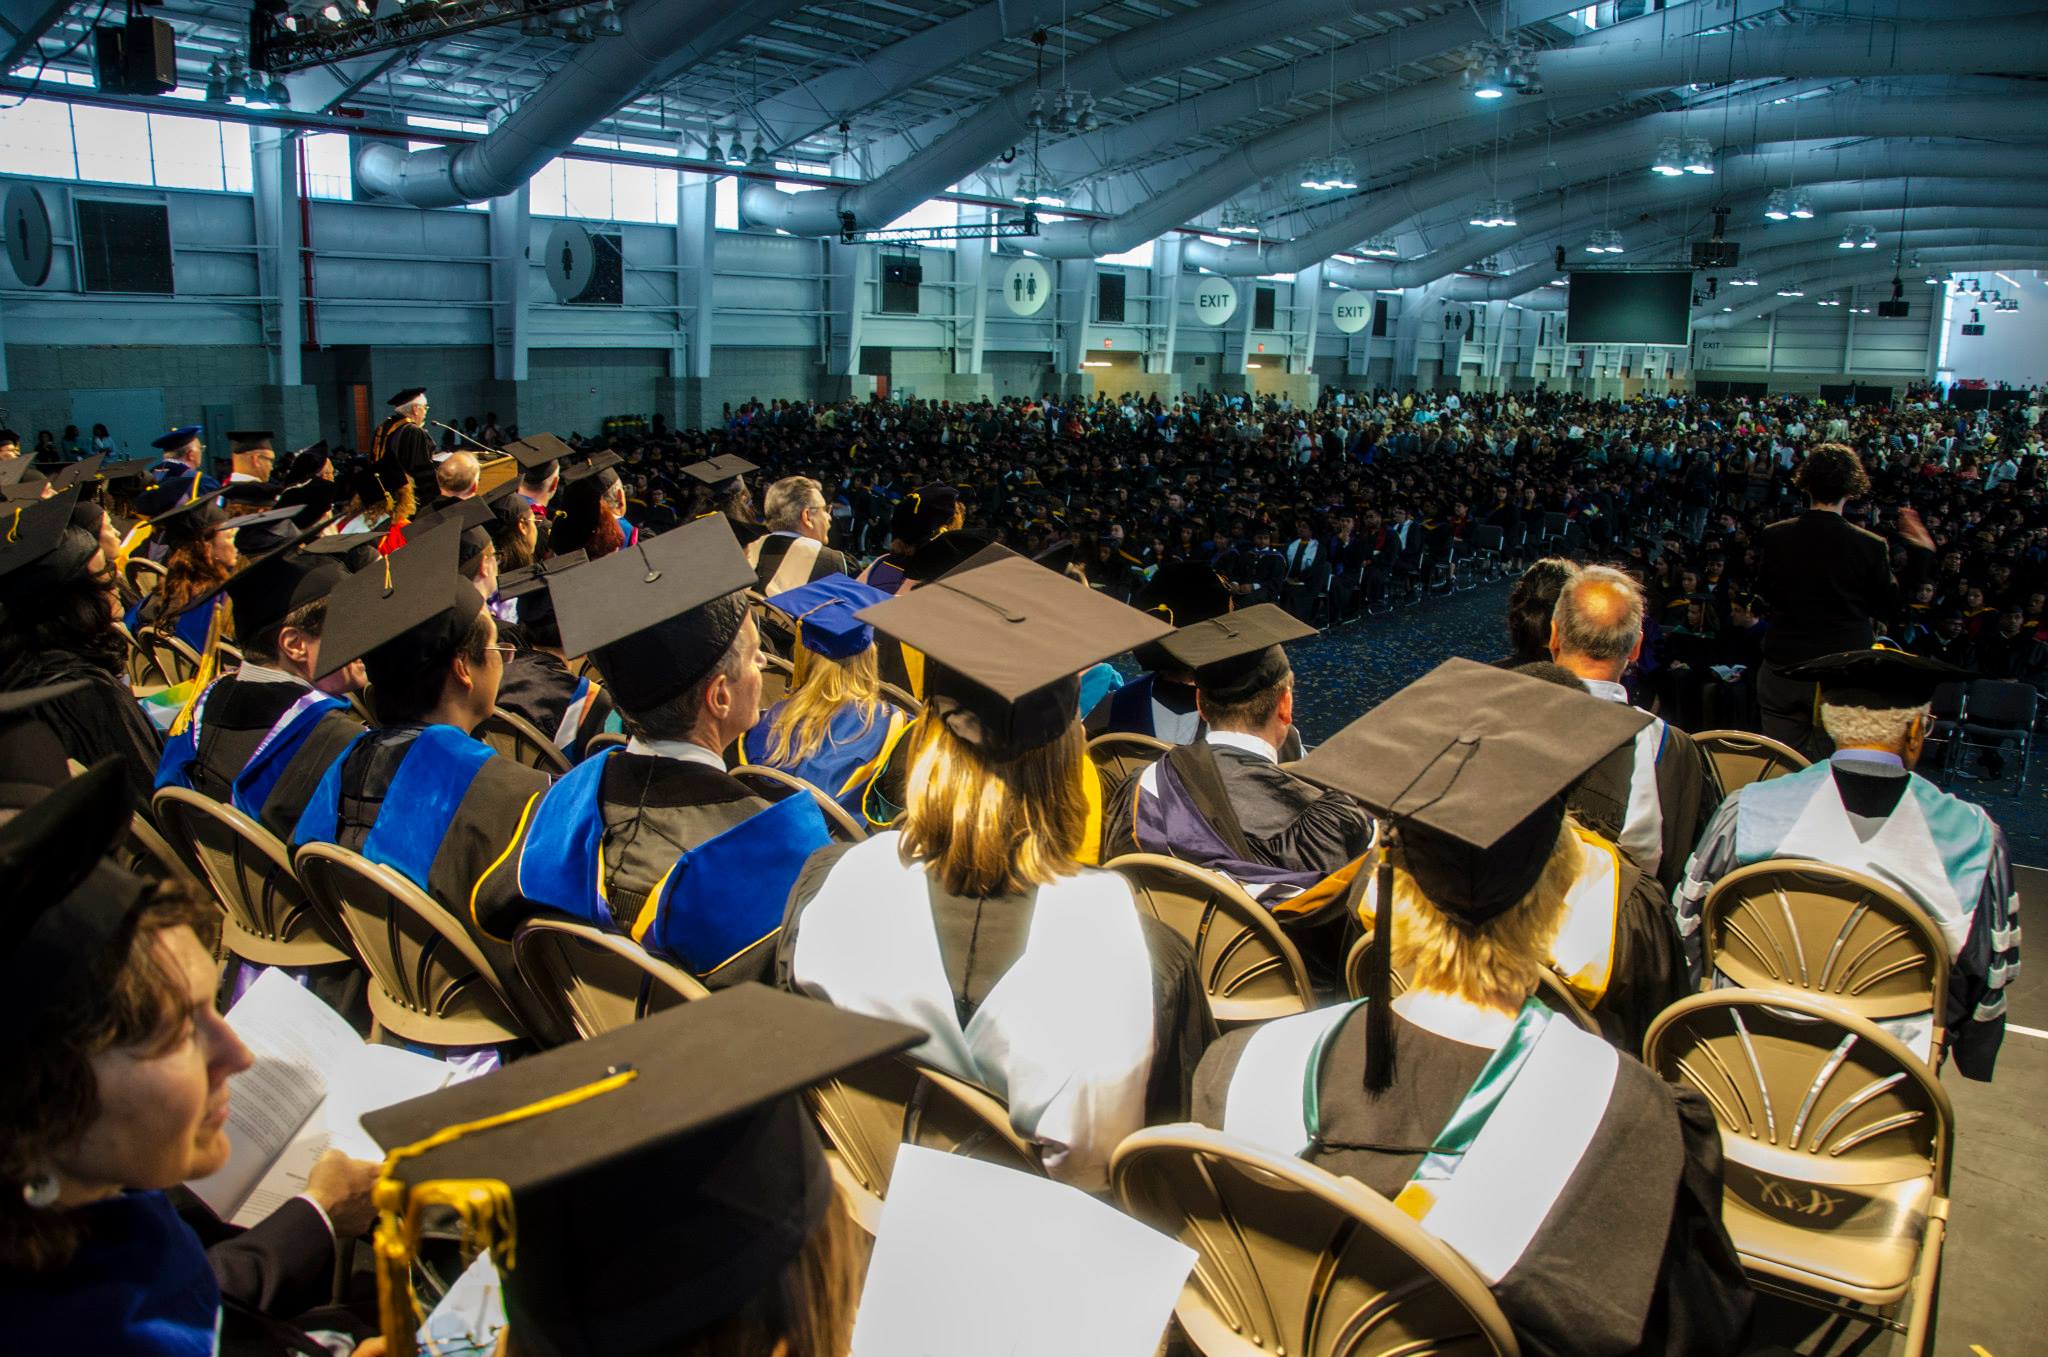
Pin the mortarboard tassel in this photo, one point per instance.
(1379, 1012)
(209, 665)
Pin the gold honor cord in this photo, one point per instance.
(483, 1205)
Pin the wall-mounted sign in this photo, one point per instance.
(1027, 287)
(1352, 313)
(1215, 299)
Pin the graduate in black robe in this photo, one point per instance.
(657, 840)
(1161, 701)
(1582, 1188)
(570, 709)
(402, 451)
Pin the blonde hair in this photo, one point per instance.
(1495, 963)
(1871, 727)
(994, 828)
(819, 688)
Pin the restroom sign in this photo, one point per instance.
(1215, 299)
(1027, 286)
(1352, 313)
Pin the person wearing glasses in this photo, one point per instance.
(402, 452)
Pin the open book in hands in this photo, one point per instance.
(312, 1081)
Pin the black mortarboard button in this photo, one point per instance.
(1237, 655)
(414, 598)
(718, 471)
(537, 450)
(1879, 678)
(641, 1185)
(640, 613)
(1006, 644)
(35, 533)
(67, 907)
(591, 465)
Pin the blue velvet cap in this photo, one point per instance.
(178, 438)
(824, 613)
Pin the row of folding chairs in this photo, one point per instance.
(1984, 714)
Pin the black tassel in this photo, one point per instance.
(1379, 1013)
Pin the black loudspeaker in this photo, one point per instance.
(1715, 254)
(1560, 258)
(139, 57)
(1893, 310)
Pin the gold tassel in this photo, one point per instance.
(209, 664)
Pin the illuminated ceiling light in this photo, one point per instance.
(1775, 206)
(1486, 80)
(1866, 239)
(216, 84)
(1343, 174)
(1847, 242)
(1791, 292)
(1669, 161)
(1499, 212)
(1802, 206)
(736, 151)
(237, 83)
(1605, 242)
(1699, 157)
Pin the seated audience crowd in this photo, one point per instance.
(910, 739)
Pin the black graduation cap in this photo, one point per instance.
(352, 549)
(591, 465)
(32, 758)
(1184, 592)
(1006, 644)
(1879, 678)
(923, 513)
(35, 533)
(67, 908)
(530, 579)
(952, 552)
(305, 463)
(261, 532)
(415, 599)
(1468, 767)
(133, 469)
(315, 496)
(472, 511)
(537, 450)
(269, 586)
(250, 440)
(406, 397)
(248, 492)
(654, 1179)
(19, 480)
(640, 612)
(189, 521)
(718, 471)
(1237, 655)
(76, 473)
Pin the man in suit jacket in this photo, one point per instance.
(1825, 579)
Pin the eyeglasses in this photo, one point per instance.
(508, 651)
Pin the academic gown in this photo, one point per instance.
(1873, 816)
(1148, 705)
(1631, 1256)
(567, 709)
(851, 743)
(678, 855)
(141, 1284)
(1653, 796)
(100, 720)
(254, 707)
(455, 807)
(191, 626)
(1617, 948)
(979, 944)
(401, 448)
(787, 560)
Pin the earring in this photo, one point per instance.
(40, 1190)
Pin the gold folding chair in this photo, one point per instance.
(1550, 987)
(269, 919)
(520, 740)
(145, 676)
(144, 575)
(866, 1116)
(1121, 754)
(1834, 935)
(1740, 757)
(169, 656)
(428, 981)
(1297, 1261)
(772, 784)
(604, 739)
(1249, 967)
(592, 980)
(777, 675)
(1836, 1142)
(902, 700)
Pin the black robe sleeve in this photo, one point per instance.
(1688, 796)
(1648, 974)
(281, 1266)
(103, 720)
(1702, 1303)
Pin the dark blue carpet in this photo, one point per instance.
(1354, 668)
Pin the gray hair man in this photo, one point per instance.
(793, 553)
(1654, 796)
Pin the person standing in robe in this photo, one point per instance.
(402, 452)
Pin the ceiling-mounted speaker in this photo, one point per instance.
(27, 227)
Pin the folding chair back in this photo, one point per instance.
(776, 676)
(428, 981)
(606, 739)
(144, 674)
(1249, 968)
(1122, 755)
(171, 657)
(902, 700)
(519, 739)
(592, 981)
(269, 919)
(1295, 1260)
(1837, 1144)
(1997, 712)
(868, 1115)
(1550, 987)
(1832, 934)
(772, 784)
(144, 575)
(1740, 757)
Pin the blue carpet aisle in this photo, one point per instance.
(1354, 668)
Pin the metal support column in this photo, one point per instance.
(511, 236)
(274, 163)
(697, 261)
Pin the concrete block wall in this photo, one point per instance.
(739, 375)
(50, 386)
(572, 391)
(1017, 374)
